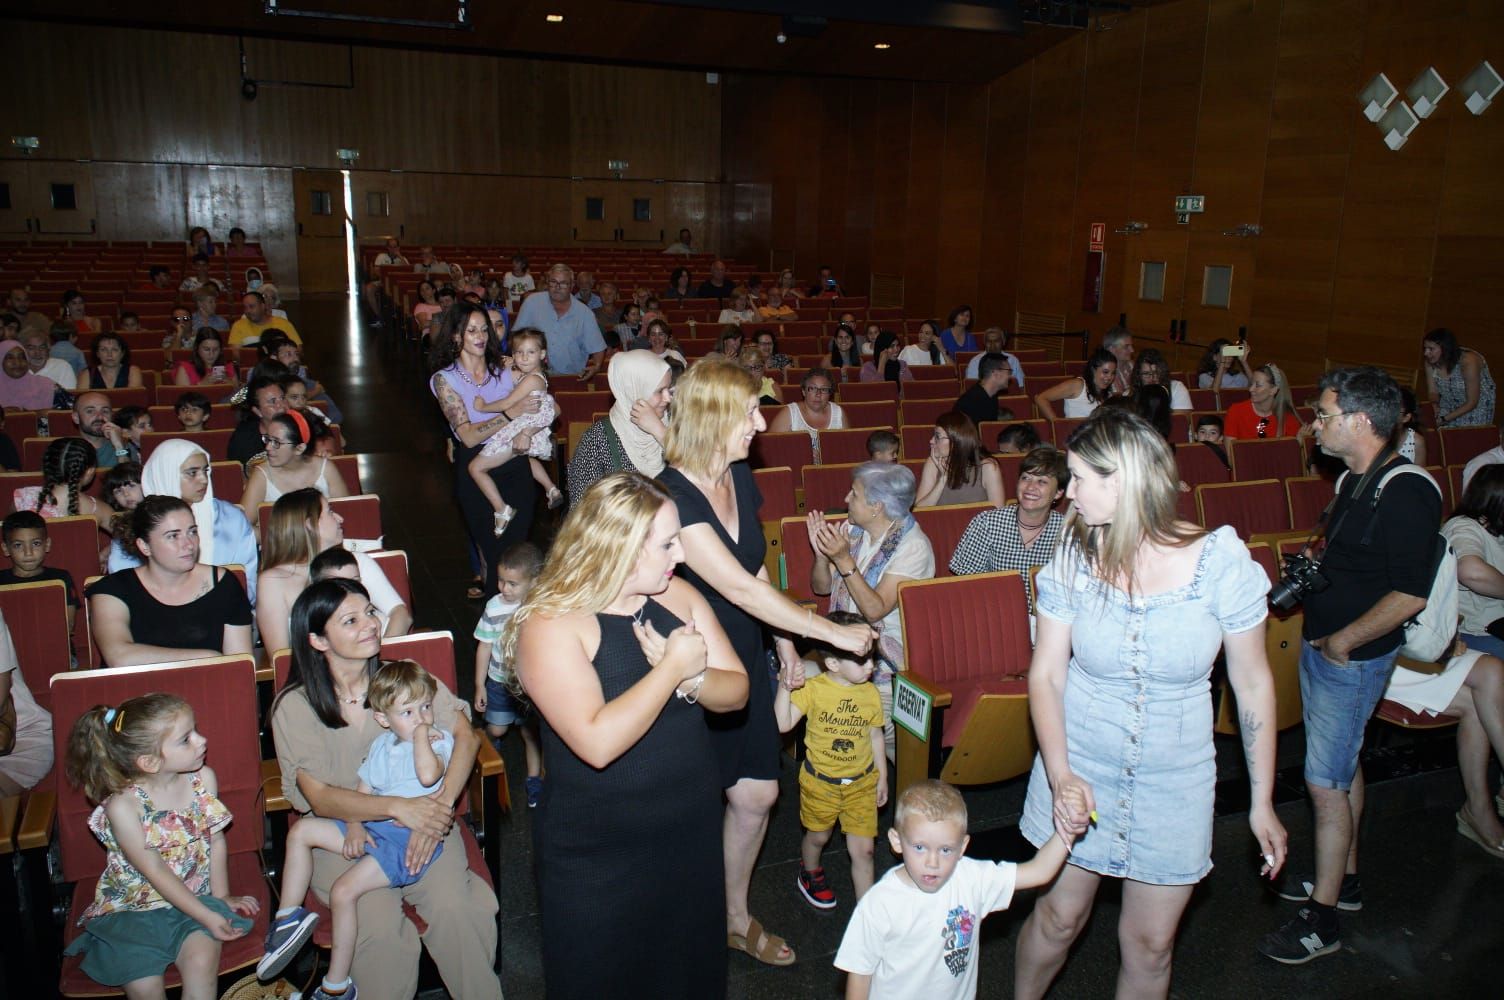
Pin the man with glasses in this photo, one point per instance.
(38, 347)
(263, 401)
(1376, 554)
(575, 344)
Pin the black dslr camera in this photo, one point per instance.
(1302, 576)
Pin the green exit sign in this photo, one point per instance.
(1190, 203)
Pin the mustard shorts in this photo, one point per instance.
(821, 803)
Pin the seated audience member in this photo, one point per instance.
(843, 350)
(1081, 395)
(584, 290)
(1269, 410)
(994, 339)
(95, 419)
(75, 313)
(200, 242)
(1152, 369)
(133, 422)
(768, 393)
(825, 284)
(24, 534)
(295, 392)
(288, 466)
(775, 308)
(68, 468)
(257, 320)
(980, 401)
(237, 247)
(813, 411)
(1493, 456)
(206, 315)
(882, 446)
(740, 310)
(1222, 371)
(684, 244)
(65, 346)
(173, 605)
(208, 365)
(121, 489)
(716, 286)
(1017, 439)
(860, 564)
(20, 387)
(1457, 378)
(391, 256)
(575, 346)
(112, 368)
(767, 343)
(926, 350)
(789, 285)
(679, 286)
(302, 525)
(628, 330)
(263, 400)
(180, 331)
(885, 365)
(869, 337)
(608, 312)
(193, 410)
(1476, 531)
(128, 322)
(38, 345)
(200, 275)
(728, 343)
(427, 307)
(27, 737)
(430, 266)
(1152, 402)
(1209, 432)
(957, 335)
(273, 300)
(1409, 434)
(1023, 535)
(958, 469)
(158, 276)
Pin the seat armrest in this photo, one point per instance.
(37, 819)
(10, 815)
(488, 761)
(271, 787)
(940, 695)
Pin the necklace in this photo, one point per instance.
(1033, 527)
(357, 700)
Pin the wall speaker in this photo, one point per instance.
(1375, 98)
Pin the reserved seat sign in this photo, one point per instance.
(911, 707)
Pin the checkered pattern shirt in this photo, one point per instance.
(991, 544)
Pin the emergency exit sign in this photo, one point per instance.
(1186, 204)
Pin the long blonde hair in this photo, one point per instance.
(594, 553)
(1116, 440)
(710, 401)
(1284, 400)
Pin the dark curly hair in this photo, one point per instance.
(66, 461)
(446, 343)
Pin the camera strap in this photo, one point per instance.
(1324, 534)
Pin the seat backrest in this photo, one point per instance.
(1308, 496)
(216, 443)
(913, 412)
(349, 471)
(36, 614)
(393, 562)
(222, 691)
(222, 416)
(228, 478)
(1199, 464)
(1251, 508)
(966, 628)
(1264, 458)
(849, 445)
(434, 651)
(799, 559)
(361, 515)
(76, 542)
(923, 390)
(871, 413)
(168, 395)
(914, 441)
(826, 486)
(944, 526)
(1267, 559)
(776, 485)
(791, 448)
(1063, 427)
(1460, 445)
(866, 392)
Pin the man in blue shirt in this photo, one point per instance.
(575, 345)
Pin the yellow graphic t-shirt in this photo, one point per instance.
(839, 720)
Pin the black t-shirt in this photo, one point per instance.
(8, 576)
(245, 442)
(1398, 556)
(978, 404)
(199, 624)
(710, 290)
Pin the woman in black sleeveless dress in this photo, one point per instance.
(621, 661)
(712, 422)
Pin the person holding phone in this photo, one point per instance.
(1224, 366)
(826, 284)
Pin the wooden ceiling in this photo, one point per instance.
(675, 35)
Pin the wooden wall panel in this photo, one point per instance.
(892, 150)
(963, 175)
(925, 193)
(1008, 105)
(1045, 267)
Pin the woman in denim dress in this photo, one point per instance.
(1132, 612)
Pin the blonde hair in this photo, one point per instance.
(292, 529)
(1116, 441)
(932, 800)
(710, 402)
(1284, 400)
(397, 681)
(106, 742)
(594, 553)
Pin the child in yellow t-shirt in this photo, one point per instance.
(845, 771)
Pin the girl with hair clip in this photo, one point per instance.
(624, 664)
(67, 470)
(1132, 612)
(164, 895)
(1269, 410)
(528, 435)
(288, 466)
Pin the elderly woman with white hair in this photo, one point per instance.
(179, 468)
(860, 563)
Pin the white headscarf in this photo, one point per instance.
(162, 475)
(635, 375)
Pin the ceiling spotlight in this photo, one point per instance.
(554, 18)
(781, 38)
(882, 46)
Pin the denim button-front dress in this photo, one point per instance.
(1138, 710)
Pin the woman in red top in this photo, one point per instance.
(208, 365)
(1269, 410)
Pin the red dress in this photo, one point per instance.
(1242, 422)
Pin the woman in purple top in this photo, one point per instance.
(467, 367)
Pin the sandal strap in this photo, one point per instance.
(765, 946)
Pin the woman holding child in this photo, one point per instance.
(323, 727)
(621, 661)
(712, 423)
(1122, 705)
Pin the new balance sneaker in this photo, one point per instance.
(1297, 889)
(319, 993)
(287, 935)
(815, 890)
(1301, 939)
(534, 785)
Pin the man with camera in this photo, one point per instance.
(1367, 574)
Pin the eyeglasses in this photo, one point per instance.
(273, 443)
(1322, 418)
(818, 390)
(181, 319)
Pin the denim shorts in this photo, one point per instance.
(503, 707)
(1336, 703)
(387, 843)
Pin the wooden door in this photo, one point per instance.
(380, 206)
(1154, 281)
(62, 198)
(594, 211)
(319, 204)
(15, 197)
(642, 208)
(1218, 287)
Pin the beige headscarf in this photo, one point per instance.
(635, 375)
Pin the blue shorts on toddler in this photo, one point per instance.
(387, 843)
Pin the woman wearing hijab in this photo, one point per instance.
(20, 387)
(179, 468)
(631, 435)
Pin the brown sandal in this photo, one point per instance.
(767, 946)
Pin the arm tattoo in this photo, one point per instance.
(1251, 726)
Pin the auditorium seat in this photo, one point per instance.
(36, 614)
(1308, 497)
(1199, 464)
(1281, 647)
(849, 445)
(773, 448)
(216, 443)
(168, 395)
(872, 413)
(826, 486)
(944, 526)
(1265, 458)
(938, 387)
(361, 514)
(780, 499)
(1063, 427)
(393, 563)
(1252, 508)
(1460, 445)
(799, 560)
(866, 392)
(913, 412)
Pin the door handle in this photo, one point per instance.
(300, 229)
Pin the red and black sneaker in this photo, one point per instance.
(815, 890)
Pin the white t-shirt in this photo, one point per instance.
(922, 944)
(60, 372)
(1180, 396)
(916, 355)
(1493, 456)
(517, 287)
(383, 594)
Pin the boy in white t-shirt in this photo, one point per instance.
(516, 570)
(915, 933)
(518, 282)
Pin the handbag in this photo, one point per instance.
(7, 725)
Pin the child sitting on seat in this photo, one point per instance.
(25, 535)
(335, 561)
(882, 446)
(529, 434)
(516, 570)
(193, 409)
(916, 933)
(845, 772)
(408, 760)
